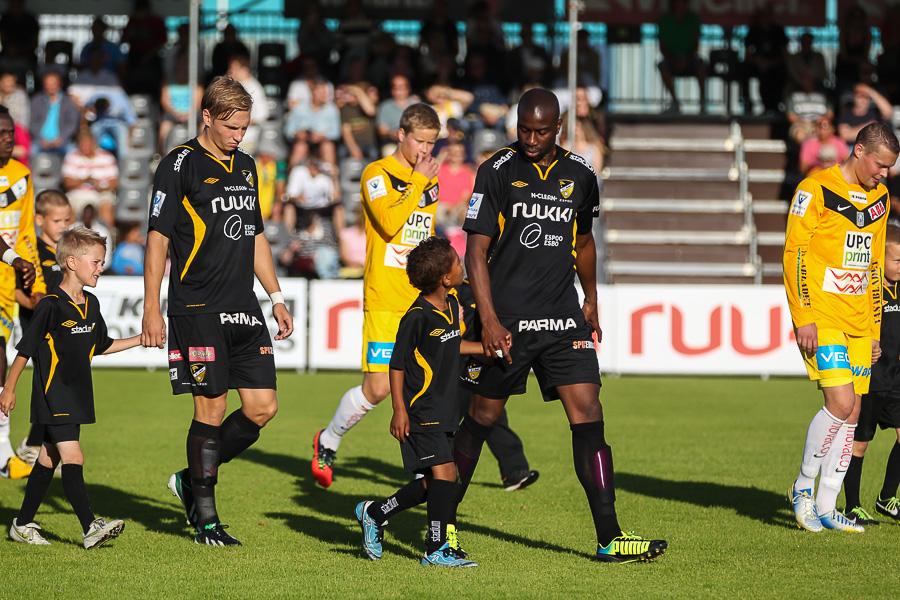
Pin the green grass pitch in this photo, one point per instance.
(702, 462)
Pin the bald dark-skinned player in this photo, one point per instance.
(529, 224)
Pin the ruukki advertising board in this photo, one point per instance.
(728, 330)
(122, 303)
(650, 329)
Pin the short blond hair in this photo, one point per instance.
(224, 97)
(419, 116)
(891, 235)
(48, 199)
(77, 242)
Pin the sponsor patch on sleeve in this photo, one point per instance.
(158, 198)
(376, 188)
(800, 203)
(474, 206)
(19, 188)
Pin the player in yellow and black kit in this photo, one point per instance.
(52, 215)
(67, 331)
(206, 214)
(17, 231)
(423, 393)
(399, 195)
(833, 261)
(529, 224)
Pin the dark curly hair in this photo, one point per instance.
(428, 262)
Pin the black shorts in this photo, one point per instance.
(560, 350)
(67, 432)
(423, 450)
(878, 408)
(210, 354)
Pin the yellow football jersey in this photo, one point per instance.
(399, 206)
(17, 227)
(834, 254)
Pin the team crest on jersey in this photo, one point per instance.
(566, 187)
(248, 175)
(473, 369)
(198, 372)
(860, 219)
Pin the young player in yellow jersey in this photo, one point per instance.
(17, 230)
(399, 195)
(833, 260)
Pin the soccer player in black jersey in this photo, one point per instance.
(52, 214)
(880, 407)
(529, 225)
(205, 213)
(64, 335)
(423, 394)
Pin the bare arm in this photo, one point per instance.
(264, 268)
(8, 396)
(124, 344)
(494, 337)
(153, 327)
(400, 420)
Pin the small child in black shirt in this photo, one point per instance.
(65, 333)
(424, 380)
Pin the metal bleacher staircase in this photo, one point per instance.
(679, 208)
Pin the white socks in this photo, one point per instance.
(835, 468)
(352, 408)
(6, 449)
(822, 434)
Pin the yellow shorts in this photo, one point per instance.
(379, 335)
(7, 320)
(840, 359)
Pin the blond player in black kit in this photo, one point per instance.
(529, 225)
(206, 215)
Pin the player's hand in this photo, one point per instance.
(7, 401)
(285, 321)
(496, 340)
(26, 269)
(400, 425)
(426, 165)
(153, 330)
(808, 338)
(592, 317)
(876, 351)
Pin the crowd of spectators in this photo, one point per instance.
(341, 98)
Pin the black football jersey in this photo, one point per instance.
(427, 350)
(61, 340)
(532, 214)
(886, 371)
(210, 212)
(53, 276)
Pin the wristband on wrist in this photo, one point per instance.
(9, 256)
(276, 298)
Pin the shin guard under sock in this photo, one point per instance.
(73, 484)
(203, 465)
(410, 495)
(594, 467)
(35, 490)
(236, 434)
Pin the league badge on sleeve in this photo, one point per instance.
(474, 206)
(800, 203)
(158, 200)
(376, 188)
